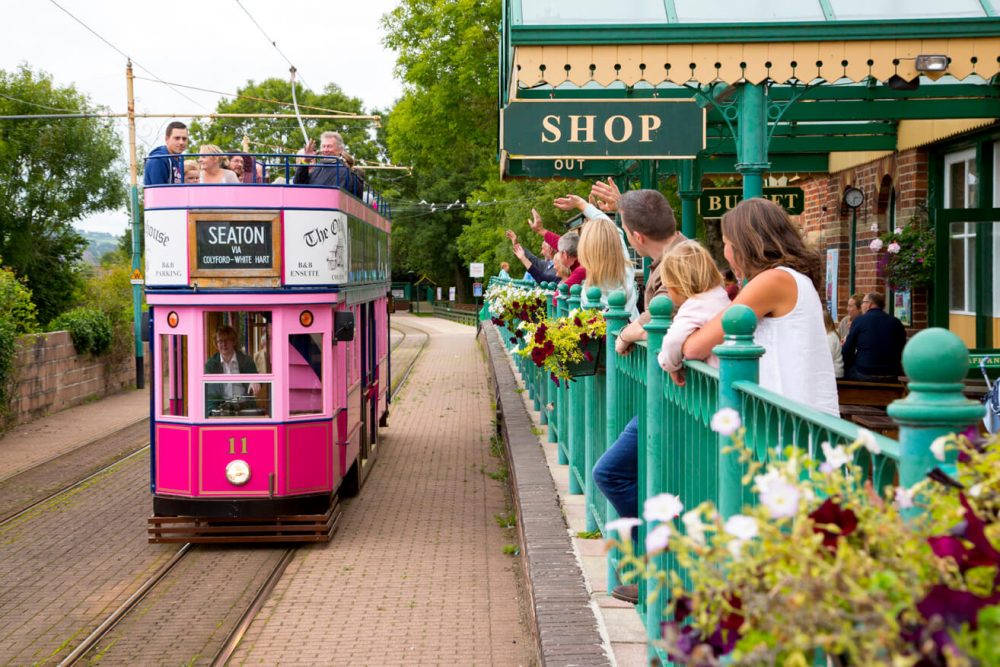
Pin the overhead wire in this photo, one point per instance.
(268, 38)
(246, 97)
(116, 49)
(40, 106)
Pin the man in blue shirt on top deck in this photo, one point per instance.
(165, 164)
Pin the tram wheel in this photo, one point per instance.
(352, 481)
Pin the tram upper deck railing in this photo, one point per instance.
(281, 168)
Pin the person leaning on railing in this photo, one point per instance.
(784, 275)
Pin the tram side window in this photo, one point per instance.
(305, 374)
(237, 343)
(173, 376)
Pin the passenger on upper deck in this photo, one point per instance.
(331, 150)
(211, 163)
(162, 167)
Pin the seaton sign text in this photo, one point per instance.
(601, 129)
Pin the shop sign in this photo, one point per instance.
(603, 129)
(715, 202)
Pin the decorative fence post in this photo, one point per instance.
(738, 360)
(660, 310)
(541, 386)
(563, 391)
(936, 361)
(593, 398)
(551, 392)
(616, 318)
(576, 415)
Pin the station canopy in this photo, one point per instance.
(841, 75)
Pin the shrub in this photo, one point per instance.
(8, 348)
(16, 303)
(91, 330)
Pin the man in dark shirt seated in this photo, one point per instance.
(334, 173)
(874, 347)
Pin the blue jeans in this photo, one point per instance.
(616, 473)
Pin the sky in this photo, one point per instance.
(210, 44)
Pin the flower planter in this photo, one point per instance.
(593, 354)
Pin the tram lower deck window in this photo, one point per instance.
(173, 375)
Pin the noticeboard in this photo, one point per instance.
(235, 244)
(477, 270)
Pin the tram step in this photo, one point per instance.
(202, 530)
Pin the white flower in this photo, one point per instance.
(726, 421)
(693, 526)
(867, 440)
(741, 527)
(893, 248)
(658, 539)
(622, 526)
(835, 456)
(976, 490)
(938, 447)
(664, 507)
(779, 496)
(876, 245)
(904, 498)
(898, 230)
(873, 227)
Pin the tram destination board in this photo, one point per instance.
(235, 244)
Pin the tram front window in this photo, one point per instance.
(237, 344)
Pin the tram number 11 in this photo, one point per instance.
(567, 164)
(243, 443)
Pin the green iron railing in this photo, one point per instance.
(678, 451)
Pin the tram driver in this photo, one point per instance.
(230, 361)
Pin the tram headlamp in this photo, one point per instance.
(238, 472)
(306, 318)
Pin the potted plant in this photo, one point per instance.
(511, 306)
(568, 346)
(824, 565)
(907, 255)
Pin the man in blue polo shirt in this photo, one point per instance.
(165, 164)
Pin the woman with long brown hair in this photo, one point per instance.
(784, 275)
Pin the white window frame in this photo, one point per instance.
(968, 233)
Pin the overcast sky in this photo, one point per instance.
(205, 43)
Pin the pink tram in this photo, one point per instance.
(269, 353)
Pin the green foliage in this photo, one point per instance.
(16, 304)
(282, 135)
(91, 330)
(909, 255)
(558, 344)
(8, 350)
(107, 289)
(53, 171)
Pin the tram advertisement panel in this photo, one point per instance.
(235, 244)
(317, 247)
(166, 248)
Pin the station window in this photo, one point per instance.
(305, 374)
(961, 185)
(173, 376)
(237, 343)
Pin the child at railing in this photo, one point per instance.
(694, 284)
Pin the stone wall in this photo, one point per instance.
(51, 376)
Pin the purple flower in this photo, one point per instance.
(831, 514)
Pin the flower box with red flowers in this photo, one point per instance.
(566, 347)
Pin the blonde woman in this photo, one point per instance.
(695, 286)
(212, 166)
(602, 253)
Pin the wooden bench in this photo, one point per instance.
(881, 394)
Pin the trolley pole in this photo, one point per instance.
(140, 376)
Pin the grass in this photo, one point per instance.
(589, 534)
(507, 520)
(511, 550)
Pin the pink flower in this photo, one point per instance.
(893, 248)
(876, 245)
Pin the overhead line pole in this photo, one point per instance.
(140, 375)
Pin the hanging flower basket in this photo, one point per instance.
(567, 347)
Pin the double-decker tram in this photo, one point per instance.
(269, 344)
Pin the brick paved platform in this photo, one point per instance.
(416, 573)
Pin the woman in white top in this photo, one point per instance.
(608, 267)
(833, 340)
(763, 245)
(212, 170)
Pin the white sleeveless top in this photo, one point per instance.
(797, 362)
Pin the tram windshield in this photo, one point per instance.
(238, 345)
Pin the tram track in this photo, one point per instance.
(181, 595)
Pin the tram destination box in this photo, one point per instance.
(235, 245)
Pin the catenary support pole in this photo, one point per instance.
(140, 375)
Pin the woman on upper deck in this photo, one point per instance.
(763, 245)
(212, 166)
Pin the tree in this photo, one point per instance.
(52, 172)
(444, 126)
(283, 135)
